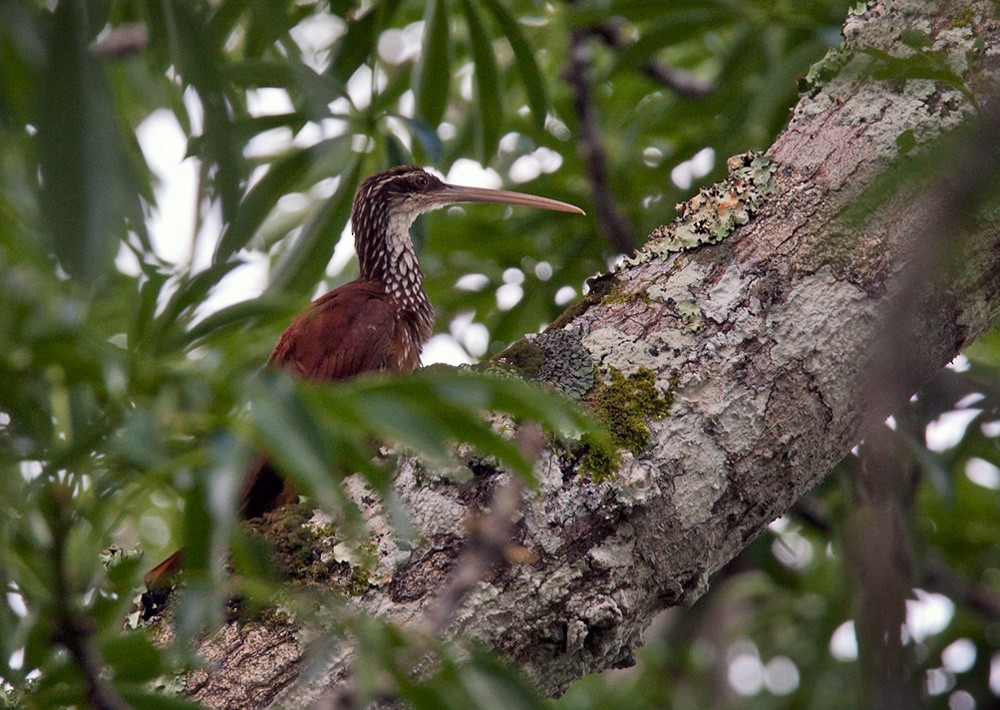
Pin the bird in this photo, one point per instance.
(377, 323)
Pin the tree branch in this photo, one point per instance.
(591, 148)
(73, 628)
(686, 84)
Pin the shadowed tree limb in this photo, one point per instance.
(591, 147)
(686, 84)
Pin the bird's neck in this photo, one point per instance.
(387, 256)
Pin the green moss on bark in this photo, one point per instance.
(965, 16)
(303, 553)
(624, 405)
(522, 358)
(291, 541)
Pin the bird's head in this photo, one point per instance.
(386, 204)
(402, 193)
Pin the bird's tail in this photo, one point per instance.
(265, 489)
(162, 577)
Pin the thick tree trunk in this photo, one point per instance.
(759, 342)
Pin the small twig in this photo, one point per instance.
(882, 484)
(128, 39)
(76, 633)
(940, 578)
(590, 146)
(959, 193)
(878, 556)
(686, 84)
(487, 546)
(812, 511)
(75, 630)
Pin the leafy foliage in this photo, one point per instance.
(131, 403)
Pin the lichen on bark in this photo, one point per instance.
(712, 214)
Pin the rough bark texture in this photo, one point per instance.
(760, 340)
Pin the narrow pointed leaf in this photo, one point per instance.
(85, 174)
(427, 137)
(487, 81)
(524, 57)
(280, 178)
(432, 73)
(357, 44)
(290, 434)
(239, 314)
(306, 262)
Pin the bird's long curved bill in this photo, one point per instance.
(456, 193)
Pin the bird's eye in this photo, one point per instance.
(421, 181)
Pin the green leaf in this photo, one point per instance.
(591, 12)
(305, 263)
(210, 519)
(290, 433)
(201, 66)
(490, 107)
(152, 700)
(491, 683)
(190, 293)
(253, 73)
(431, 409)
(239, 314)
(144, 306)
(524, 57)
(986, 350)
(133, 657)
(392, 413)
(282, 176)
(906, 141)
(386, 101)
(675, 26)
(86, 189)
(398, 155)
(358, 43)
(432, 72)
(318, 91)
(923, 65)
(260, 200)
(915, 39)
(318, 431)
(426, 136)
(224, 20)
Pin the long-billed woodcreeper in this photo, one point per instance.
(378, 322)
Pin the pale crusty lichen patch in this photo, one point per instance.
(712, 214)
(663, 350)
(813, 300)
(696, 464)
